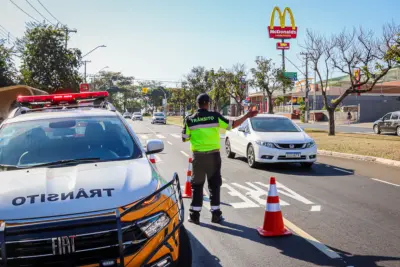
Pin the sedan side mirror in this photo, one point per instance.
(154, 146)
(241, 129)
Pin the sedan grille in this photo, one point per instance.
(290, 146)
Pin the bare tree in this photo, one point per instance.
(237, 89)
(268, 79)
(347, 52)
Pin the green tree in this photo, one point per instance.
(8, 72)
(219, 89)
(46, 64)
(392, 38)
(236, 88)
(268, 79)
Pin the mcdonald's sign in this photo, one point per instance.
(282, 46)
(282, 31)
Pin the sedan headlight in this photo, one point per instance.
(310, 144)
(267, 144)
(154, 224)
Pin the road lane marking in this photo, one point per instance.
(175, 135)
(144, 136)
(223, 179)
(158, 159)
(257, 194)
(313, 241)
(338, 169)
(247, 203)
(160, 136)
(384, 182)
(151, 130)
(184, 153)
(169, 143)
(284, 190)
(206, 200)
(315, 208)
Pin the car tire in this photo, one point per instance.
(251, 159)
(185, 249)
(307, 165)
(377, 130)
(398, 130)
(228, 150)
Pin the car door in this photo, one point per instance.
(243, 137)
(393, 122)
(383, 125)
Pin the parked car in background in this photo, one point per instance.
(271, 139)
(137, 116)
(127, 115)
(159, 117)
(390, 123)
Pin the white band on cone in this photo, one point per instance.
(273, 192)
(190, 167)
(188, 178)
(273, 207)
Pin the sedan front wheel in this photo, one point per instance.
(377, 130)
(251, 158)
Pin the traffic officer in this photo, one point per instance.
(202, 130)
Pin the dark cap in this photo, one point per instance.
(203, 99)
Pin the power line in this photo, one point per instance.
(7, 31)
(49, 12)
(29, 3)
(24, 11)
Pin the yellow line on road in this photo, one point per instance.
(313, 241)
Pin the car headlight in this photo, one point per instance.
(310, 144)
(154, 224)
(267, 144)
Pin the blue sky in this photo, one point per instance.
(164, 39)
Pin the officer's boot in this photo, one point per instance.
(217, 216)
(194, 217)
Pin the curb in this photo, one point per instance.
(389, 162)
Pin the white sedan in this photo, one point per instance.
(271, 139)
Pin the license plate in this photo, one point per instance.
(293, 155)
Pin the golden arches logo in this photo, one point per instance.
(282, 17)
(282, 31)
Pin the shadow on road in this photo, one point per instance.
(298, 248)
(366, 260)
(317, 169)
(201, 256)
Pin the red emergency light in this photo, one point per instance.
(53, 99)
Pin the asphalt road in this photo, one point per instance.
(338, 214)
(339, 128)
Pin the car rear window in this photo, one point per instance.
(159, 114)
(43, 141)
(261, 124)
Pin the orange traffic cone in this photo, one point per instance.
(273, 220)
(152, 159)
(187, 193)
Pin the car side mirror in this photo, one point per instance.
(241, 129)
(154, 146)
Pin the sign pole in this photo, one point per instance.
(283, 57)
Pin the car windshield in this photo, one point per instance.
(159, 114)
(30, 143)
(137, 113)
(260, 124)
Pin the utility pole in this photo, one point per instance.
(84, 62)
(306, 91)
(67, 31)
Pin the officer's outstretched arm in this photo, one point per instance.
(185, 131)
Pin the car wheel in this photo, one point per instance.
(185, 249)
(376, 129)
(398, 131)
(228, 150)
(307, 165)
(251, 158)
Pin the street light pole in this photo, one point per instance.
(93, 50)
(84, 62)
(307, 90)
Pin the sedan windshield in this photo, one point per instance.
(40, 142)
(272, 124)
(137, 113)
(159, 114)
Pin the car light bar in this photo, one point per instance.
(61, 97)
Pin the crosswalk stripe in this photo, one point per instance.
(144, 136)
(175, 135)
(160, 136)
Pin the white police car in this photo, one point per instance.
(78, 190)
